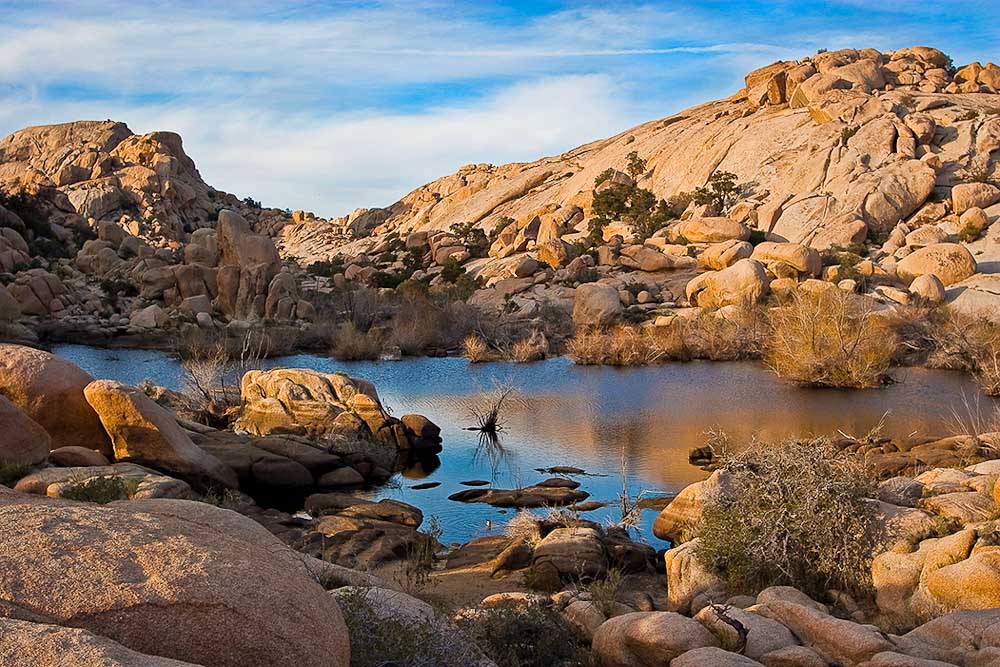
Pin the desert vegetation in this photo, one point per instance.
(793, 513)
(828, 339)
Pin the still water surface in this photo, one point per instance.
(586, 416)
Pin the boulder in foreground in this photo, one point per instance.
(174, 578)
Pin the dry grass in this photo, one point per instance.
(829, 339)
(710, 335)
(529, 349)
(524, 527)
(351, 344)
(475, 349)
(972, 345)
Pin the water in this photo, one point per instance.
(586, 416)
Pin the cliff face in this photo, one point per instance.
(830, 149)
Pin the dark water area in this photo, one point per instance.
(568, 415)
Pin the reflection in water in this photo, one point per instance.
(491, 450)
(566, 415)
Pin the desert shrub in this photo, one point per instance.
(353, 344)
(846, 133)
(846, 262)
(972, 345)
(475, 349)
(101, 490)
(605, 591)
(380, 638)
(978, 171)
(720, 192)
(327, 268)
(473, 238)
(115, 288)
(968, 233)
(524, 526)
(451, 270)
(423, 323)
(708, 336)
(795, 514)
(514, 635)
(526, 350)
(10, 473)
(828, 339)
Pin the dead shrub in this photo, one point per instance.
(793, 513)
(475, 349)
(973, 345)
(828, 339)
(526, 350)
(524, 527)
(351, 344)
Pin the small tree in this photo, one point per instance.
(473, 238)
(720, 191)
(636, 165)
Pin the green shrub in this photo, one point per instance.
(473, 238)
(720, 192)
(968, 233)
(452, 270)
(380, 638)
(327, 268)
(101, 490)
(517, 636)
(10, 473)
(795, 514)
(846, 134)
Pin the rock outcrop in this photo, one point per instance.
(170, 578)
(49, 390)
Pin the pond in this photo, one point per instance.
(592, 417)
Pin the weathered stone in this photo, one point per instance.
(596, 304)
(649, 639)
(949, 262)
(142, 432)
(50, 392)
(24, 442)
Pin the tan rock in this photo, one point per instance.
(744, 283)
(596, 304)
(764, 635)
(949, 262)
(710, 230)
(833, 638)
(928, 287)
(802, 258)
(142, 432)
(24, 442)
(648, 639)
(50, 392)
(27, 644)
(968, 195)
(675, 522)
(688, 580)
(713, 656)
(177, 579)
(722, 255)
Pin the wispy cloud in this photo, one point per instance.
(334, 105)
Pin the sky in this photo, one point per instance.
(330, 106)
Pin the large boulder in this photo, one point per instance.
(173, 578)
(690, 585)
(50, 391)
(949, 262)
(973, 195)
(838, 640)
(24, 442)
(803, 259)
(573, 553)
(596, 304)
(649, 639)
(742, 284)
(678, 519)
(27, 644)
(722, 255)
(143, 432)
(301, 401)
(710, 230)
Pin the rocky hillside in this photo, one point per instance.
(830, 149)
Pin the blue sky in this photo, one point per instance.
(330, 106)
